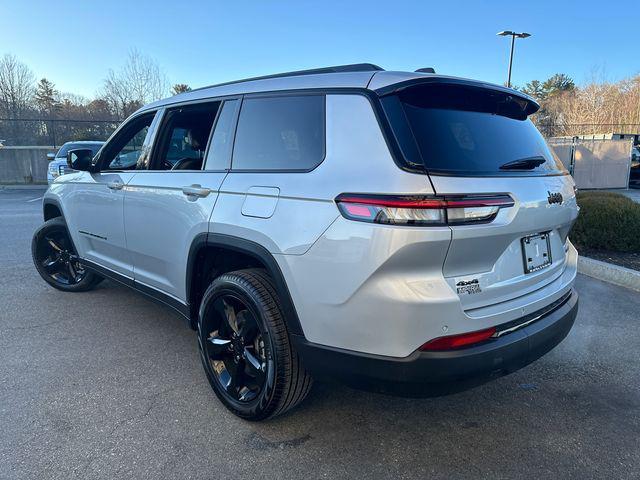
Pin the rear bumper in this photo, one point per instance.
(439, 373)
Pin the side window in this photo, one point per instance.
(280, 133)
(184, 137)
(221, 141)
(129, 149)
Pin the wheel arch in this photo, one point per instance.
(51, 209)
(212, 254)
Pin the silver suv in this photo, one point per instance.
(401, 232)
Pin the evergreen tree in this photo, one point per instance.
(180, 88)
(555, 84)
(45, 98)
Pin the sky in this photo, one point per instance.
(74, 43)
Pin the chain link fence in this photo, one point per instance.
(53, 132)
(583, 129)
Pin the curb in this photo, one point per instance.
(607, 272)
(27, 186)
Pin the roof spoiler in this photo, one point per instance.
(531, 105)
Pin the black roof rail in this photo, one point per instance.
(356, 67)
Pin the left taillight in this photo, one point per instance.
(422, 210)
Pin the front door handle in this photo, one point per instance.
(196, 191)
(117, 185)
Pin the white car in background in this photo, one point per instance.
(58, 166)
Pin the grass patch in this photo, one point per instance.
(607, 221)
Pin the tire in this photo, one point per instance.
(271, 378)
(55, 258)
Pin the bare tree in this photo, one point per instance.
(139, 81)
(16, 95)
(598, 107)
(16, 85)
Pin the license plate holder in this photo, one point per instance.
(536, 252)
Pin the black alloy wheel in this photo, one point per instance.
(56, 259)
(235, 345)
(245, 348)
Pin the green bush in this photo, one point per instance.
(607, 221)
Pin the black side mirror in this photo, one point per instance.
(80, 159)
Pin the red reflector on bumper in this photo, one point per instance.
(457, 341)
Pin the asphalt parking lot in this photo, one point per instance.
(107, 384)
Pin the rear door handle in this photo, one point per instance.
(115, 185)
(196, 191)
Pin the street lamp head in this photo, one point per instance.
(507, 33)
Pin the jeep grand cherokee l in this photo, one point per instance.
(401, 232)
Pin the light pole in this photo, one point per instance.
(513, 35)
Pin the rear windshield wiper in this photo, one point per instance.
(524, 164)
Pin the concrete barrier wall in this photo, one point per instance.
(24, 164)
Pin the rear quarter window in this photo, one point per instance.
(475, 132)
(280, 133)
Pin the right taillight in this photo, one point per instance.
(421, 209)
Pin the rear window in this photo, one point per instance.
(280, 133)
(473, 131)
